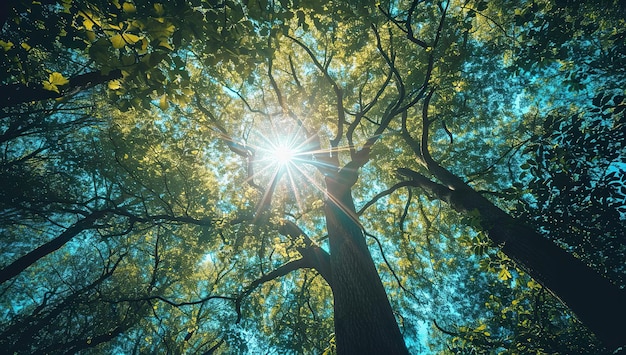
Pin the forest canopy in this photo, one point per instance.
(306, 177)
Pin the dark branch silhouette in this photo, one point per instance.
(16, 94)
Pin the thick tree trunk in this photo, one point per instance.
(364, 319)
(598, 303)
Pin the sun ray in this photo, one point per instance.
(288, 156)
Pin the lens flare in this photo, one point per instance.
(282, 154)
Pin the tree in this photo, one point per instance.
(259, 159)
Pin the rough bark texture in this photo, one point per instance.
(364, 319)
(598, 303)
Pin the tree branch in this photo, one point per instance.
(32, 257)
(393, 273)
(382, 194)
(341, 114)
(564, 275)
(20, 93)
(409, 26)
(274, 274)
(317, 256)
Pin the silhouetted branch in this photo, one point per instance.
(317, 256)
(274, 274)
(382, 194)
(30, 258)
(20, 93)
(395, 276)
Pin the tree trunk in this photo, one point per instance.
(598, 303)
(364, 320)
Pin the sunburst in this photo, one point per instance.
(284, 155)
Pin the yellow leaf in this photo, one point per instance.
(91, 35)
(50, 87)
(487, 334)
(89, 20)
(114, 84)
(117, 41)
(144, 46)
(88, 24)
(138, 24)
(163, 103)
(504, 274)
(131, 38)
(121, 40)
(129, 8)
(6, 45)
(26, 46)
(532, 284)
(165, 44)
(116, 27)
(54, 81)
(170, 29)
(57, 79)
(159, 9)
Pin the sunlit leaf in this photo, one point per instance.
(129, 7)
(163, 104)
(54, 81)
(6, 45)
(118, 41)
(504, 274)
(91, 35)
(165, 44)
(90, 20)
(121, 40)
(114, 84)
(158, 8)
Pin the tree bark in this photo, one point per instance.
(364, 319)
(598, 303)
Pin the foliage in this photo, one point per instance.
(145, 212)
(577, 182)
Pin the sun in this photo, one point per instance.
(282, 154)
